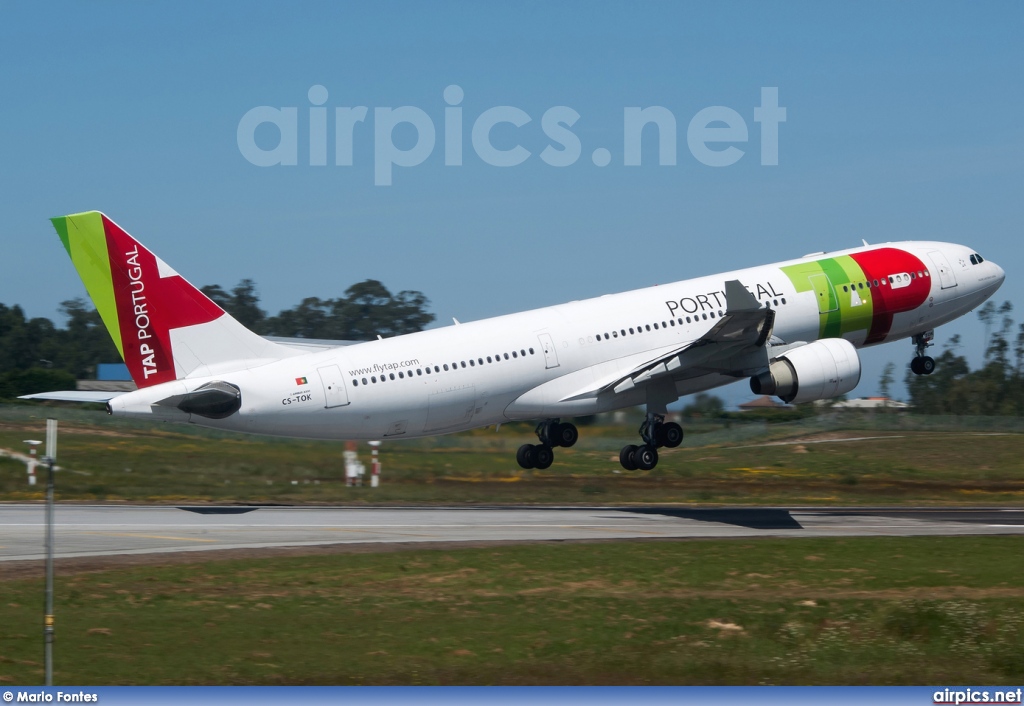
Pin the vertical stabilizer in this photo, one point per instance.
(164, 328)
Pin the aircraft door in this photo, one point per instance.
(548, 346)
(825, 293)
(334, 386)
(947, 279)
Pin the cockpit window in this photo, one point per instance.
(974, 259)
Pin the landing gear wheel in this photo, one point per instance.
(626, 457)
(927, 365)
(922, 365)
(526, 456)
(544, 457)
(645, 457)
(565, 434)
(670, 435)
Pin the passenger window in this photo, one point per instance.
(364, 381)
(514, 354)
(506, 356)
(655, 326)
(615, 334)
(391, 376)
(355, 383)
(631, 332)
(463, 364)
(401, 375)
(704, 316)
(680, 320)
(522, 352)
(672, 322)
(374, 379)
(446, 367)
(531, 351)
(623, 332)
(648, 327)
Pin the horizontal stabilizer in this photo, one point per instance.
(309, 344)
(99, 396)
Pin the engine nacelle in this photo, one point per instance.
(817, 371)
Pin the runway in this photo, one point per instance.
(102, 530)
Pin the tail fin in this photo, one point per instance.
(164, 328)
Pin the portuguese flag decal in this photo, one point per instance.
(301, 381)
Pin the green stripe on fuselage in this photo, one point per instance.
(842, 270)
(86, 242)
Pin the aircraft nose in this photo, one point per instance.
(1000, 275)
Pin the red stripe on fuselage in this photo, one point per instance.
(149, 306)
(887, 300)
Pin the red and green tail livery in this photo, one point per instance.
(146, 306)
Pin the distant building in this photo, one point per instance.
(762, 403)
(110, 377)
(871, 403)
(112, 371)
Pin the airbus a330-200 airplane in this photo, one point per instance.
(792, 328)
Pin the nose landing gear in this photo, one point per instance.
(656, 433)
(922, 364)
(551, 433)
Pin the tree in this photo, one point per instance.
(242, 303)
(704, 405)
(366, 310)
(885, 382)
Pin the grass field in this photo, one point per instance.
(936, 610)
(859, 459)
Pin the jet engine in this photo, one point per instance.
(817, 371)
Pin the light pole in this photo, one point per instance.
(51, 456)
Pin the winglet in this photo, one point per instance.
(738, 298)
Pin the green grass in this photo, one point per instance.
(915, 460)
(775, 611)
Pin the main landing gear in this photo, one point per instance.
(922, 364)
(551, 433)
(655, 432)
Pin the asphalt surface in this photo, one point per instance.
(90, 531)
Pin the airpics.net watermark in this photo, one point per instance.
(712, 134)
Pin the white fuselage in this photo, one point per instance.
(527, 365)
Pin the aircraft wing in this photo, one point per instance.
(75, 396)
(734, 343)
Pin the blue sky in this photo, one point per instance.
(903, 121)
